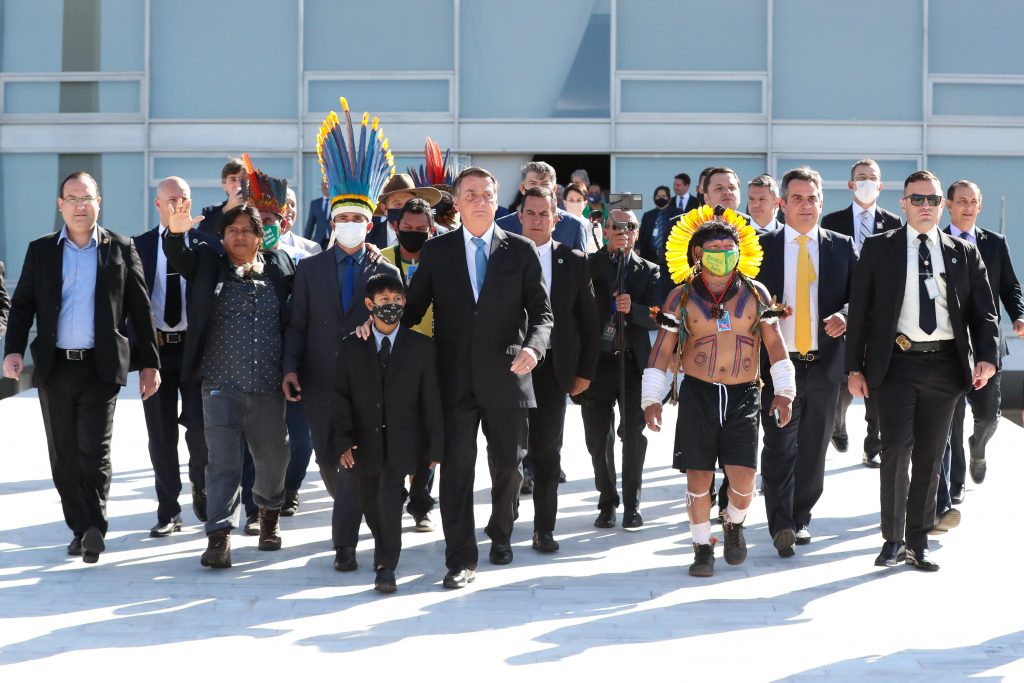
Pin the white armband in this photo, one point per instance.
(784, 378)
(654, 387)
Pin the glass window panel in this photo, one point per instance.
(31, 35)
(643, 174)
(32, 178)
(123, 33)
(977, 37)
(72, 97)
(123, 186)
(380, 96)
(688, 35)
(813, 79)
(562, 70)
(681, 97)
(120, 97)
(208, 76)
(31, 98)
(399, 35)
(977, 99)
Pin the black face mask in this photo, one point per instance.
(389, 314)
(661, 202)
(393, 216)
(412, 241)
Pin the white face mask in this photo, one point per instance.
(350, 235)
(867, 191)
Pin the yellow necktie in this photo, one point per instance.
(804, 277)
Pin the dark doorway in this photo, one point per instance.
(598, 166)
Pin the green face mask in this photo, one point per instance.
(271, 235)
(720, 262)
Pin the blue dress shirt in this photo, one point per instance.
(76, 325)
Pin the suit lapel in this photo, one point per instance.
(775, 277)
(952, 266)
(560, 284)
(825, 261)
(499, 250)
(898, 263)
(330, 269)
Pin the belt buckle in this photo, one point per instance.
(172, 337)
(903, 342)
(74, 354)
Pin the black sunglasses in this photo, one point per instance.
(920, 199)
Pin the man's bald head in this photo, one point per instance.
(169, 192)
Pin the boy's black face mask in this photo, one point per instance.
(389, 314)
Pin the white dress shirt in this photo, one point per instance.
(159, 298)
(545, 252)
(970, 235)
(909, 322)
(471, 255)
(858, 221)
(791, 251)
(773, 224)
(299, 242)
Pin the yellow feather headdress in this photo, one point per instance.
(678, 245)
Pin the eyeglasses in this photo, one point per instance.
(629, 227)
(920, 199)
(80, 200)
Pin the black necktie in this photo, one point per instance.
(926, 316)
(172, 297)
(385, 352)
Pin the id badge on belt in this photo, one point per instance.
(725, 322)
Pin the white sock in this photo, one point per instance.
(734, 514)
(701, 533)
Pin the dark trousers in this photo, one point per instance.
(916, 401)
(300, 445)
(546, 421)
(793, 458)
(506, 434)
(872, 440)
(162, 420)
(597, 409)
(421, 500)
(985, 408)
(78, 414)
(378, 497)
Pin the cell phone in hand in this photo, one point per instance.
(778, 417)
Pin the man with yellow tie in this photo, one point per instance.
(809, 270)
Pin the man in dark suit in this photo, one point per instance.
(318, 218)
(655, 227)
(570, 360)
(569, 230)
(81, 285)
(639, 292)
(492, 323)
(809, 270)
(231, 176)
(862, 218)
(964, 200)
(387, 417)
(920, 311)
(170, 294)
(5, 303)
(683, 201)
(763, 204)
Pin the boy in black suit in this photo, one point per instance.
(388, 379)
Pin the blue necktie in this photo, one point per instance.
(660, 219)
(481, 264)
(348, 283)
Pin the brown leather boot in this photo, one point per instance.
(270, 529)
(218, 550)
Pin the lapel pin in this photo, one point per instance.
(106, 240)
(560, 260)
(954, 259)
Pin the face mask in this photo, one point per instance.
(271, 235)
(661, 202)
(393, 216)
(594, 198)
(867, 191)
(720, 262)
(411, 241)
(350, 235)
(389, 314)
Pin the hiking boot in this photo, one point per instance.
(735, 544)
(270, 529)
(218, 550)
(703, 560)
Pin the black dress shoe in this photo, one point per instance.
(345, 560)
(291, 503)
(978, 469)
(460, 577)
(385, 581)
(252, 524)
(950, 519)
(784, 540)
(199, 503)
(545, 542)
(166, 528)
(501, 553)
(75, 547)
(893, 552)
(872, 460)
(631, 519)
(605, 519)
(956, 493)
(803, 536)
(92, 545)
(918, 559)
(561, 476)
(841, 442)
(218, 550)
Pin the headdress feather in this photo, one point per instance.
(355, 173)
(262, 191)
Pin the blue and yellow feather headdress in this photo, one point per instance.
(262, 191)
(355, 173)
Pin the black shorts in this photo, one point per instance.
(717, 423)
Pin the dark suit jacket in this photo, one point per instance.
(1001, 278)
(406, 398)
(477, 340)
(569, 230)
(842, 221)
(120, 295)
(642, 285)
(674, 211)
(205, 268)
(879, 283)
(836, 261)
(574, 344)
(5, 302)
(378, 235)
(147, 245)
(210, 226)
(646, 248)
(318, 222)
